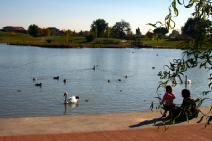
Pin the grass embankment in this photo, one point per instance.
(80, 41)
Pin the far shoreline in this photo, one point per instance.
(61, 46)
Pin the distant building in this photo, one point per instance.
(14, 29)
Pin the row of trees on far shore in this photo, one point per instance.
(121, 30)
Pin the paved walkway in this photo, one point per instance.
(74, 123)
(177, 133)
(111, 127)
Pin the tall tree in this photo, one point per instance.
(99, 27)
(138, 32)
(121, 29)
(174, 34)
(33, 30)
(196, 28)
(161, 31)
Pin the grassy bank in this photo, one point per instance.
(80, 42)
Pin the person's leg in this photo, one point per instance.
(165, 107)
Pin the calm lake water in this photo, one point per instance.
(20, 97)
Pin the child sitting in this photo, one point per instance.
(167, 100)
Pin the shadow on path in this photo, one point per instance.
(155, 122)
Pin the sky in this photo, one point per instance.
(79, 14)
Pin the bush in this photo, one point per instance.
(137, 42)
(48, 40)
(89, 38)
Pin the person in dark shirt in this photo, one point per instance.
(187, 110)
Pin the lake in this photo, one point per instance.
(20, 97)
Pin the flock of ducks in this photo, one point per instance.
(75, 99)
(70, 100)
(55, 78)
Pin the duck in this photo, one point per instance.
(71, 99)
(94, 67)
(38, 84)
(64, 81)
(56, 78)
(34, 79)
(126, 76)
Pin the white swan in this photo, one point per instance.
(189, 81)
(72, 99)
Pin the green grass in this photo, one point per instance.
(25, 38)
(106, 41)
(13, 37)
(80, 41)
(166, 43)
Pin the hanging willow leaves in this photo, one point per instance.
(191, 3)
(198, 49)
(174, 6)
(179, 2)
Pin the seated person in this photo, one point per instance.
(167, 100)
(187, 110)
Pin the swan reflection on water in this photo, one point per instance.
(70, 106)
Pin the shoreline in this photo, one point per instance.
(88, 45)
(95, 46)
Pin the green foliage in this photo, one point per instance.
(138, 33)
(90, 38)
(175, 34)
(197, 29)
(174, 72)
(48, 40)
(137, 42)
(99, 27)
(33, 30)
(196, 55)
(121, 29)
(161, 31)
(106, 41)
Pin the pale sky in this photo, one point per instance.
(79, 14)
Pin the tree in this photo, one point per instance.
(161, 31)
(99, 27)
(149, 34)
(138, 32)
(121, 29)
(33, 30)
(197, 29)
(174, 34)
(44, 32)
(108, 32)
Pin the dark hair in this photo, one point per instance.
(186, 93)
(169, 89)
